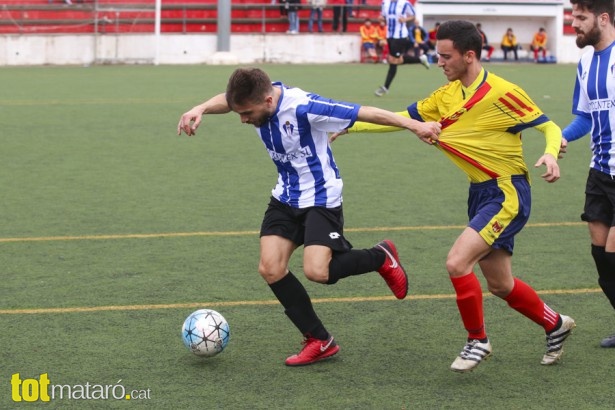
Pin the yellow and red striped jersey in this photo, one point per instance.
(481, 125)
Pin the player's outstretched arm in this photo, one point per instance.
(190, 120)
(427, 131)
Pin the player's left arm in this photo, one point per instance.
(553, 136)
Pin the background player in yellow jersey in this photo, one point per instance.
(482, 117)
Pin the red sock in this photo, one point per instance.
(526, 301)
(470, 304)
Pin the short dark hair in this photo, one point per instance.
(597, 7)
(247, 85)
(463, 34)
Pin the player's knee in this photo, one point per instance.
(271, 272)
(316, 273)
(395, 60)
(455, 266)
(498, 289)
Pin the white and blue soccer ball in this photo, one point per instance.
(205, 332)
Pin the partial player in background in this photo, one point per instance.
(486, 46)
(397, 15)
(306, 204)
(482, 116)
(594, 92)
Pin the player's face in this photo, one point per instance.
(586, 26)
(452, 62)
(255, 113)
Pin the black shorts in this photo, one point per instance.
(599, 198)
(306, 226)
(399, 46)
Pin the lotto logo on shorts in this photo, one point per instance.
(334, 235)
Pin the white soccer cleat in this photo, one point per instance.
(425, 61)
(382, 90)
(555, 341)
(473, 353)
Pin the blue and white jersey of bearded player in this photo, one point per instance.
(593, 101)
(296, 138)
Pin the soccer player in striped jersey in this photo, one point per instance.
(482, 116)
(593, 104)
(306, 204)
(398, 14)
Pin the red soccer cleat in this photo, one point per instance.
(313, 351)
(391, 270)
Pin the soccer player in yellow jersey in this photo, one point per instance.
(482, 116)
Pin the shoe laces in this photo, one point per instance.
(470, 350)
(467, 349)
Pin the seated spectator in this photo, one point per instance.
(488, 48)
(382, 46)
(539, 43)
(509, 43)
(418, 37)
(368, 38)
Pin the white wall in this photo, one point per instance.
(81, 49)
(32, 49)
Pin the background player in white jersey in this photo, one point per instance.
(398, 14)
(592, 103)
(306, 204)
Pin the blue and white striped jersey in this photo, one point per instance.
(296, 138)
(594, 97)
(392, 10)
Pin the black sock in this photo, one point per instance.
(298, 306)
(605, 264)
(390, 75)
(411, 60)
(354, 262)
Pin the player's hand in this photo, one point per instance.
(552, 174)
(563, 148)
(428, 132)
(334, 136)
(189, 122)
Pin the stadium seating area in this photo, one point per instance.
(177, 16)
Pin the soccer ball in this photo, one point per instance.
(205, 332)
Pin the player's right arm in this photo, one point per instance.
(190, 120)
(372, 119)
(363, 126)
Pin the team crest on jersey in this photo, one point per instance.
(496, 227)
(455, 116)
(288, 128)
